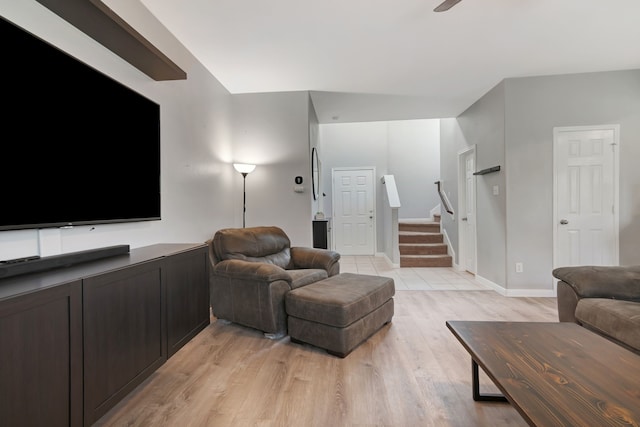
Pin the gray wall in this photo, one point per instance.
(408, 149)
(314, 141)
(533, 107)
(519, 135)
(414, 160)
(271, 130)
(482, 126)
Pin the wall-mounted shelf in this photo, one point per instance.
(103, 25)
(488, 170)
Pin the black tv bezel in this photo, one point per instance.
(96, 221)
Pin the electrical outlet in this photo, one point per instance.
(519, 267)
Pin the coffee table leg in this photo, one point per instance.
(476, 388)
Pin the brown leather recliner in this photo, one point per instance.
(253, 268)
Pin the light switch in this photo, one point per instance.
(496, 190)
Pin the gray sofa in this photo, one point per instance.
(252, 269)
(604, 299)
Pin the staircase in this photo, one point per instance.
(421, 244)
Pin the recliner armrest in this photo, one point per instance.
(304, 257)
(247, 270)
(620, 282)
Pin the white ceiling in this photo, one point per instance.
(368, 60)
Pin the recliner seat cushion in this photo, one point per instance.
(617, 319)
(256, 244)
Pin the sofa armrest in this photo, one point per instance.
(567, 302)
(620, 282)
(304, 257)
(247, 270)
(251, 294)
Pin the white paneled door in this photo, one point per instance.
(585, 196)
(353, 211)
(467, 223)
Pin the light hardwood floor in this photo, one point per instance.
(413, 372)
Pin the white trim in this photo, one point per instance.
(462, 190)
(533, 293)
(386, 258)
(418, 220)
(450, 250)
(389, 182)
(373, 196)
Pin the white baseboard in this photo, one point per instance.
(450, 250)
(386, 258)
(534, 293)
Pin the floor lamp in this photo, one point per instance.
(244, 169)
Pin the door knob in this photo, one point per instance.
(564, 221)
(464, 219)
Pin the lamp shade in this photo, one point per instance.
(244, 168)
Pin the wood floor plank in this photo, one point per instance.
(412, 372)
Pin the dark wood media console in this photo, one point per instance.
(74, 341)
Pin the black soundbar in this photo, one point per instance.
(35, 264)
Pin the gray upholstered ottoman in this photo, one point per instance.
(339, 313)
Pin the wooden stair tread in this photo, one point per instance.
(426, 256)
(415, 233)
(426, 261)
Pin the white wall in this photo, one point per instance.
(408, 149)
(197, 180)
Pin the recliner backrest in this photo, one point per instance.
(268, 244)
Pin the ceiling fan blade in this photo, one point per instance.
(446, 5)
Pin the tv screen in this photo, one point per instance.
(77, 146)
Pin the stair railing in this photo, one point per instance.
(443, 198)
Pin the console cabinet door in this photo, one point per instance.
(124, 339)
(187, 285)
(41, 358)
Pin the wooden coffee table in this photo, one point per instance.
(554, 374)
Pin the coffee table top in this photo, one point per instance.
(556, 374)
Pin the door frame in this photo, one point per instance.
(616, 185)
(374, 190)
(462, 208)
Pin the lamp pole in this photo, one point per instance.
(244, 198)
(244, 169)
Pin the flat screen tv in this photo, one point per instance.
(78, 147)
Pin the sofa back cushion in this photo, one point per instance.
(258, 244)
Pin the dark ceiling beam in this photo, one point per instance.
(102, 24)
